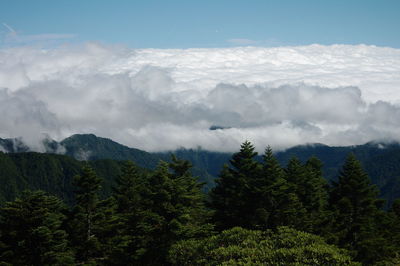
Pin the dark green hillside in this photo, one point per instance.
(288, 214)
(11, 182)
(206, 165)
(380, 160)
(49, 172)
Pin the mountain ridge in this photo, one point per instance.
(381, 159)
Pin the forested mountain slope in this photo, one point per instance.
(49, 172)
(380, 160)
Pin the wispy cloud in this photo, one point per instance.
(12, 37)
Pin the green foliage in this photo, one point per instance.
(11, 182)
(172, 209)
(155, 210)
(232, 198)
(239, 246)
(153, 213)
(355, 208)
(85, 216)
(311, 189)
(127, 189)
(31, 231)
(261, 196)
(276, 197)
(52, 173)
(381, 162)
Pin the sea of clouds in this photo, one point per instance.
(163, 99)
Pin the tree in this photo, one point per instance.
(315, 197)
(172, 209)
(277, 194)
(127, 189)
(32, 233)
(238, 246)
(389, 230)
(128, 192)
(316, 188)
(355, 205)
(233, 197)
(85, 216)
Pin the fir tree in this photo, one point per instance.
(233, 197)
(355, 206)
(84, 216)
(128, 193)
(295, 176)
(32, 233)
(172, 209)
(278, 194)
(315, 199)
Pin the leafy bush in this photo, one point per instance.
(239, 246)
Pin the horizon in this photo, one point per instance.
(205, 24)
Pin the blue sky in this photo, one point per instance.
(184, 24)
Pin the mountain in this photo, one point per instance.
(381, 160)
(50, 172)
(91, 147)
(13, 145)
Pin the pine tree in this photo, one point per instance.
(85, 215)
(32, 233)
(233, 197)
(128, 193)
(172, 209)
(356, 208)
(277, 194)
(389, 230)
(295, 176)
(315, 199)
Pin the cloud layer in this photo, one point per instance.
(164, 99)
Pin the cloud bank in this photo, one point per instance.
(161, 99)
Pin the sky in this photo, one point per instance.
(161, 75)
(206, 23)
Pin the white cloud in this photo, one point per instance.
(163, 99)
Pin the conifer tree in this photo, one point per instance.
(278, 196)
(128, 193)
(395, 227)
(31, 231)
(389, 230)
(295, 176)
(233, 197)
(172, 209)
(315, 198)
(355, 205)
(85, 215)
